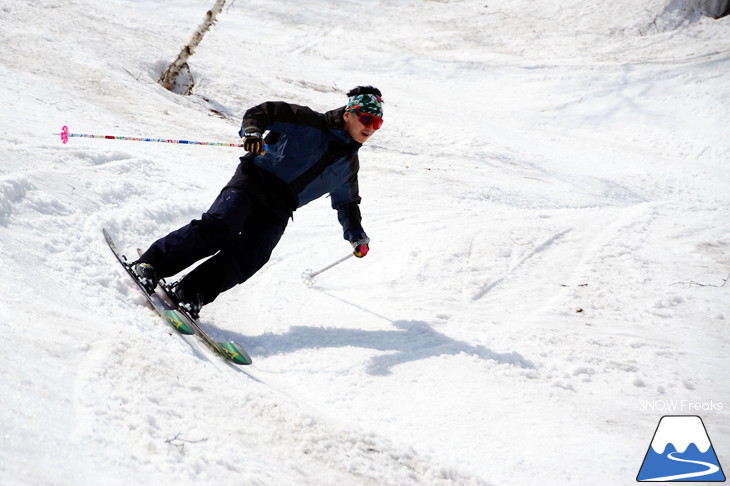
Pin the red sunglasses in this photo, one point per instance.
(368, 120)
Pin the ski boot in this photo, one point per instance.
(190, 301)
(146, 276)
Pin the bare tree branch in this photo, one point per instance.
(170, 78)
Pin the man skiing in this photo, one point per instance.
(305, 155)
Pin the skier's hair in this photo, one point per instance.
(361, 90)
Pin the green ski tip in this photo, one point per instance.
(235, 353)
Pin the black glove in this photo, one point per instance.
(252, 142)
(361, 247)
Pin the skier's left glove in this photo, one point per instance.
(361, 247)
(252, 142)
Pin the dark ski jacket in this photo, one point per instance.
(309, 154)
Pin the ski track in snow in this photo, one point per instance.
(547, 206)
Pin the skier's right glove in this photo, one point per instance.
(361, 247)
(252, 142)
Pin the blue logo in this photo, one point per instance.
(681, 451)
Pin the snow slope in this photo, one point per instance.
(548, 207)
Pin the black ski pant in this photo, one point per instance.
(237, 232)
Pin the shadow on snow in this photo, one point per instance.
(411, 341)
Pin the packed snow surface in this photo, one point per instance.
(549, 208)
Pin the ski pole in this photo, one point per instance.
(65, 135)
(308, 274)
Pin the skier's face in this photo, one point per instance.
(357, 130)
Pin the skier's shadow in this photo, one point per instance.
(411, 341)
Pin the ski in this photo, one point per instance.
(178, 318)
(230, 350)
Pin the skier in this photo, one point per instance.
(305, 155)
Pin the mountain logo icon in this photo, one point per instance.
(680, 451)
